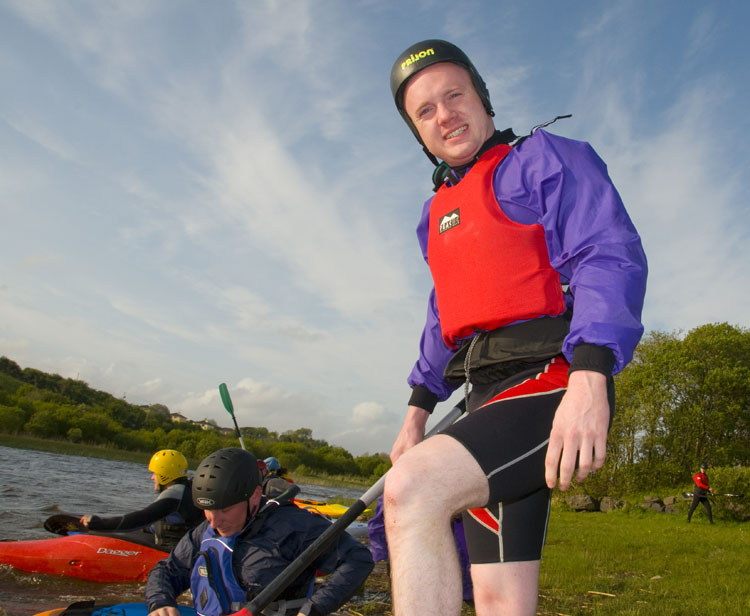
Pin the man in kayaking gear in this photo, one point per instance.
(245, 542)
(700, 493)
(274, 483)
(539, 279)
(171, 515)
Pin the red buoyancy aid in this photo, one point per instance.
(488, 270)
(701, 480)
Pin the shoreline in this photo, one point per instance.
(139, 457)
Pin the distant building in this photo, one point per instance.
(179, 418)
(207, 424)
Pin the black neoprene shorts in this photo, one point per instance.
(507, 431)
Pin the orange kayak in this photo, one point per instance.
(88, 557)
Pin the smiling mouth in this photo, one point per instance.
(456, 132)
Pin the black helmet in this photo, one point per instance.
(426, 53)
(225, 478)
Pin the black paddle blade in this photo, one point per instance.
(64, 523)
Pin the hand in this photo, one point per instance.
(412, 432)
(167, 610)
(85, 520)
(579, 429)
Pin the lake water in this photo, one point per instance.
(35, 485)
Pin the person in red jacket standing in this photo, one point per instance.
(701, 492)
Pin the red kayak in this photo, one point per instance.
(86, 556)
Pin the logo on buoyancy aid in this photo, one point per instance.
(415, 57)
(203, 571)
(449, 220)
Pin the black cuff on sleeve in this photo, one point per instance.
(592, 357)
(104, 524)
(423, 398)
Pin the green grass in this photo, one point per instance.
(652, 563)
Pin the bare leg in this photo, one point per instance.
(507, 589)
(426, 487)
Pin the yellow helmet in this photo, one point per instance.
(168, 465)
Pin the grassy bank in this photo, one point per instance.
(73, 449)
(636, 564)
(651, 563)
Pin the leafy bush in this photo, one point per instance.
(12, 419)
(731, 480)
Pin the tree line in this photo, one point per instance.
(683, 400)
(49, 406)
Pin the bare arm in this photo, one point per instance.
(412, 431)
(579, 429)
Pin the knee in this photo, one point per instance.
(400, 486)
(412, 490)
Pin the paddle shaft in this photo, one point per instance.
(317, 547)
(238, 433)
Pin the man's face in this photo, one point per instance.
(232, 519)
(448, 113)
(155, 482)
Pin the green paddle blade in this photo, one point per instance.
(224, 393)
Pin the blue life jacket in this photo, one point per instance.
(215, 589)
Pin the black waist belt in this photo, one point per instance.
(500, 353)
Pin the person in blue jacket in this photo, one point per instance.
(245, 543)
(539, 281)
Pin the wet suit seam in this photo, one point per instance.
(530, 452)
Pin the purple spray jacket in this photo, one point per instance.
(563, 185)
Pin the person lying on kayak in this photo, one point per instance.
(274, 482)
(171, 515)
(245, 542)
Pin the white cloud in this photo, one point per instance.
(204, 194)
(365, 413)
(42, 136)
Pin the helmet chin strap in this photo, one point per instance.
(251, 513)
(431, 156)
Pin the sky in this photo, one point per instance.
(194, 193)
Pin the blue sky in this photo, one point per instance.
(194, 193)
